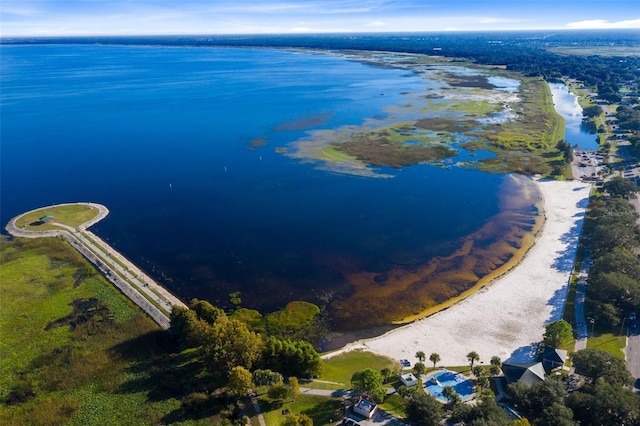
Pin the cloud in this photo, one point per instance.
(323, 7)
(376, 24)
(604, 24)
(499, 21)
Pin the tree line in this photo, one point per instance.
(226, 343)
(613, 236)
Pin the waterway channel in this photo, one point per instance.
(566, 104)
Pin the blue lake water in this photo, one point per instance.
(182, 145)
(566, 104)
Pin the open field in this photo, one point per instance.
(621, 51)
(69, 214)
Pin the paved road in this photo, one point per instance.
(129, 279)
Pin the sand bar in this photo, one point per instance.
(506, 318)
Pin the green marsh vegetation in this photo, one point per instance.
(520, 127)
(74, 351)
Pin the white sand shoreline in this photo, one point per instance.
(507, 317)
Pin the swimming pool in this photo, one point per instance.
(436, 382)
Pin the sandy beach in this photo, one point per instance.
(506, 318)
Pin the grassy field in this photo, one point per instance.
(340, 368)
(72, 215)
(608, 342)
(322, 410)
(597, 50)
(73, 350)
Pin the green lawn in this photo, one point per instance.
(323, 410)
(340, 368)
(72, 215)
(395, 405)
(608, 342)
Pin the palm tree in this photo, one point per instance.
(473, 357)
(449, 393)
(478, 371)
(421, 356)
(496, 364)
(435, 358)
(482, 383)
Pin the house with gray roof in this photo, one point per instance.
(527, 373)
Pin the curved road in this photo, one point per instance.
(129, 279)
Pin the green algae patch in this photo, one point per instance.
(295, 316)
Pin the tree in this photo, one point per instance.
(298, 420)
(369, 381)
(423, 410)
(278, 391)
(592, 111)
(421, 356)
(619, 187)
(293, 358)
(605, 404)
(450, 393)
(294, 387)
(599, 364)
(565, 148)
(556, 415)
(206, 311)
(558, 333)
(478, 370)
(386, 372)
(266, 377)
(240, 381)
(434, 358)
(230, 344)
(618, 260)
(531, 400)
(473, 357)
(496, 365)
(486, 412)
(420, 369)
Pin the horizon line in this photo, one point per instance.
(449, 31)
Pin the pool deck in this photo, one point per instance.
(462, 385)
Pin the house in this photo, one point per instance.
(365, 408)
(553, 358)
(527, 373)
(408, 379)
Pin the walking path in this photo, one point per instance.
(581, 290)
(256, 408)
(150, 296)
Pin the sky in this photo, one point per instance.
(153, 17)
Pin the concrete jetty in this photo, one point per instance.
(143, 290)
